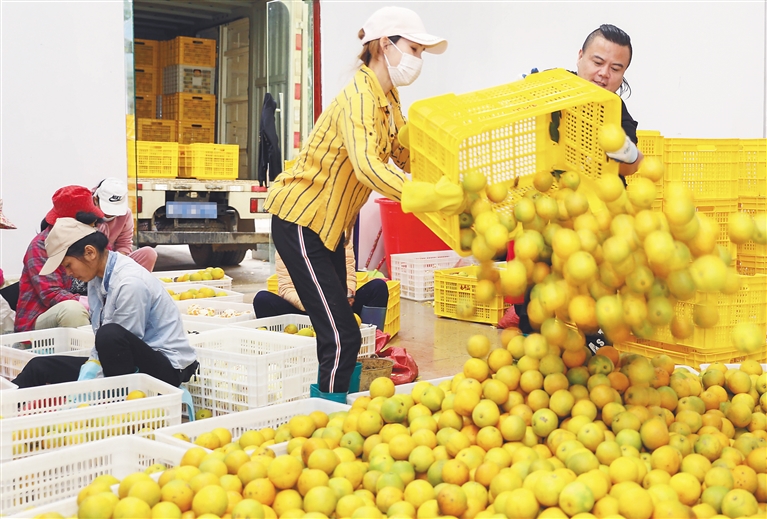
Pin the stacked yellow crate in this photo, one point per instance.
(146, 76)
(752, 199)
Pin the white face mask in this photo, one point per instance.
(407, 71)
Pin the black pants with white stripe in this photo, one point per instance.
(319, 276)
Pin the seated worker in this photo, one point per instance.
(369, 302)
(49, 301)
(111, 195)
(137, 325)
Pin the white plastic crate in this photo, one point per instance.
(278, 324)
(231, 295)
(46, 418)
(415, 271)
(238, 423)
(401, 389)
(242, 369)
(225, 282)
(50, 482)
(197, 327)
(215, 311)
(54, 341)
(7, 384)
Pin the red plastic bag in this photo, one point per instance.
(405, 369)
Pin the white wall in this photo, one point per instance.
(63, 108)
(698, 69)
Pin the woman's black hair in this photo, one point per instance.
(96, 239)
(619, 37)
(44, 225)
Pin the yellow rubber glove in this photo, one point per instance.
(424, 197)
(403, 136)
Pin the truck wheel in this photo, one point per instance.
(233, 257)
(204, 255)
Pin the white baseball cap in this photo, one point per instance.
(113, 196)
(399, 21)
(65, 233)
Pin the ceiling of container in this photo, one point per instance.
(166, 19)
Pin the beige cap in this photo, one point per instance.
(65, 233)
(399, 21)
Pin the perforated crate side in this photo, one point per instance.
(243, 369)
(455, 288)
(157, 159)
(146, 53)
(16, 349)
(56, 416)
(747, 305)
(752, 168)
(146, 106)
(56, 476)
(157, 130)
(148, 80)
(415, 272)
(392, 324)
(754, 255)
(719, 211)
(709, 167)
(190, 132)
(192, 51)
(687, 355)
(189, 107)
(215, 161)
(504, 133)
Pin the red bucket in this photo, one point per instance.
(404, 232)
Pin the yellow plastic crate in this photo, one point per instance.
(189, 107)
(688, 355)
(749, 304)
(752, 257)
(157, 130)
(720, 211)
(157, 159)
(148, 81)
(392, 324)
(146, 53)
(146, 106)
(651, 145)
(183, 50)
(190, 132)
(184, 161)
(458, 285)
(709, 167)
(547, 121)
(752, 168)
(213, 161)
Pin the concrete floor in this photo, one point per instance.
(438, 345)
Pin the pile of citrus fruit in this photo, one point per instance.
(527, 429)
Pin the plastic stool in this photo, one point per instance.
(186, 400)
